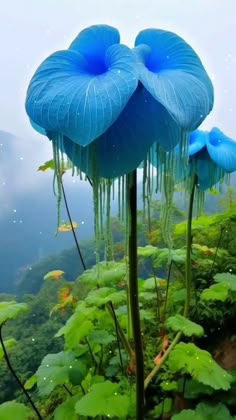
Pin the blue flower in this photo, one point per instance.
(111, 103)
(212, 155)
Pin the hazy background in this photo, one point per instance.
(30, 30)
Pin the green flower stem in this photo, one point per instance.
(188, 265)
(154, 371)
(133, 294)
(16, 377)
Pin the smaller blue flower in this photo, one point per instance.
(212, 155)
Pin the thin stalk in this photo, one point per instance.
(134, 298)
(154, 371)
(117, 336)
(121, 333)
(188, 265)
(72, 227)
(167, 290)
(67, 390)
(16, 377)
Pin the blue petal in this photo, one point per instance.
(173, 73)
(125, 145)
(222, 150)
(209, 174)
(197, 140)
(93, 43)
(80, 98)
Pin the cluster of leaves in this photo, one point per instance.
(92, 376)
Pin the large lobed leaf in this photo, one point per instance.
(10, 310)
(205, 411)
(188, 358)
(55, 370)
(180, 323)
(103, 400)
(216, 292)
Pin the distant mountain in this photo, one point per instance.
(28, 211)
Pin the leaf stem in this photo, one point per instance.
(154, 371)
(10, 367)
(133, 294)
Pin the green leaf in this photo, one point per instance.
(180, 323)
(47, 165)
(103, 295)
(104, 274)
(9, 343)
(213, 411)
(164, 407)
(77, 372)
(13, 410)
(147, 251)
(218, 291)
(54, 370)
(10, 310)
(179, 295)
(78, 326)
(30, 382)
(103, 400)
(152, 282)
(194, 389)
(226, 278)
(66, 410)
(187, 415)
(101, 337)
(169, 386)
(188, 358)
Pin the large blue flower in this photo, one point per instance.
(111, 103)
(212, 155)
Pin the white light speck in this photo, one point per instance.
(14, 210)
(21, 158)
(44, 378)
(33, 339)
(70, 367)
(14, 221)
(82, 223)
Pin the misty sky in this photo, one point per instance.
(30, 30)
